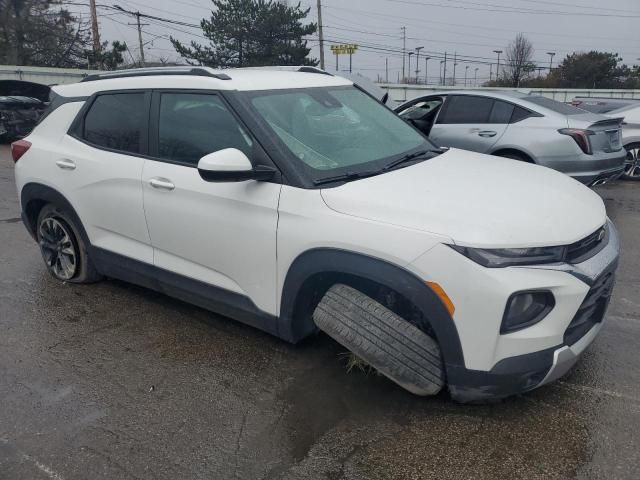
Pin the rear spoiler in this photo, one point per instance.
(609, 122)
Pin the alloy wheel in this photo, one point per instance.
(632, 162)
(58, 248)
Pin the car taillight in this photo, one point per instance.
(580, 136)
(18, 149)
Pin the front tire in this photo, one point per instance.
(393, 346)
(632, 162)
(64, 252)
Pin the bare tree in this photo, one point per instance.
(518, 65)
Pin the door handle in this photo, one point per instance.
(66, 164)
(161, 184)
(487, 133)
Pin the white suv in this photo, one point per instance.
(294, 201)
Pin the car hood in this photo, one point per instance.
(476, 200)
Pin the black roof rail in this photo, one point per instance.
(310, 69)
(155, 71)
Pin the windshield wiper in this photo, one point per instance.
(409, 157)
(346, 177)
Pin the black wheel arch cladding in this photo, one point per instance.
(293, 327)
(34, 196)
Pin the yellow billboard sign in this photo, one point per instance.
(346, 49)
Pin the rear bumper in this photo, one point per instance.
(599, 178)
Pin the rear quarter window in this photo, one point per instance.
(116, 121)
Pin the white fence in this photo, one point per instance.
(403, 92)
(44, 75)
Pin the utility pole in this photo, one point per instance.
(404, 47)
(139, 25)
(386, 70)
(426, 69)
(475, 78)
(140, 39)
(320, 34)
(94, 31)
(455, 64)
(466, 70)
(418, 63)
(444, 74)
(490, 72)
(440, 73)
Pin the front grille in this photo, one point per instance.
(592, 310)
(587, 247)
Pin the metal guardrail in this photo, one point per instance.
(44, 75)
(404, 92)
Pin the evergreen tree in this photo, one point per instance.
(246, 33)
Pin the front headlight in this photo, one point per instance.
(507, 257)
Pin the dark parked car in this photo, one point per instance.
(21, 105)
(18, 116)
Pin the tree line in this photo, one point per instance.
(592, 69)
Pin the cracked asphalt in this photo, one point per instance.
(112, 381)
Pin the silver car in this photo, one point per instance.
(524, 127)
(630, 138)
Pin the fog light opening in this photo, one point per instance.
(525, 309)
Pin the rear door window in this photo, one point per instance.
(116, 121)
(466, 109)
(501, 112)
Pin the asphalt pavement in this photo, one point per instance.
(112, 381)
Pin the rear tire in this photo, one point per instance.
(387, 342)
(64, 251)
(632, 162)
(515, 156)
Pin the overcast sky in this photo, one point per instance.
(470, 29)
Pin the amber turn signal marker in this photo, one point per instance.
(442, 295)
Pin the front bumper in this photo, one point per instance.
(527, 372)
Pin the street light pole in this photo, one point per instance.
(418, 62)
(409, 66)
(498, 65)
(466, 69)
(440, 74)
(426, 70)
(551, 55)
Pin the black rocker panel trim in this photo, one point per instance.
(218, 300)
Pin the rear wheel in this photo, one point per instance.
(632, 162)
(63, 250)
(387, 342)
(514, 156)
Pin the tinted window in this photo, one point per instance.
(467, 109)
(558, 107)
(192, 125)
(501, 112)
(520, 113)
(116, 121)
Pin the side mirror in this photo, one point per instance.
(231, 165)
